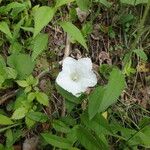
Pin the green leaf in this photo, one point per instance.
(114, 88)
(22, 83)
(42, 17)
(86, 138)
(59, 3)
(134, 2)
(4, 120)
(83, 4)
(140, 53)
(5, 29)
(11, 73)
(22, 63)
(98, 124)
(57, 141)
(39, 44)
(29, 122)
(105, 3)
(37, 116)
(60, 126)
(9, 138)
(42, 98)
(31, 96)
(19, 113)
(95, 100)
(74, 32)
(13, 5)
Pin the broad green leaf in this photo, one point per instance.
(37, 116)
(105, 3)
(4, 120)
(86, 138)
(59, 3)
(83, 4)
(42, 17)
(31, 96)
(140, 53)
(19, 113)
(39, 44)
(11, 73)
(113, 90)
(42, 98)
(74, 32)
(145, 134)
(21, 101)
(98, 124)
(95, 100)
(22, 83)
(22, 63)
(134, 2)
(57, 141)
(5, 29)
(29, 122)
(15, 47)
(136, 138)
(60, 126)
(13, 5)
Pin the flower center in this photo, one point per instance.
(75, 76)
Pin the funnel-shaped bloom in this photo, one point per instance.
(76, 75)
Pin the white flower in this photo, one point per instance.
(76, 75)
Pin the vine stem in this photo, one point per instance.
(141, 26)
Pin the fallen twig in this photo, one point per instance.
(7, 96)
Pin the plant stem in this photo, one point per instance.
(141, 26)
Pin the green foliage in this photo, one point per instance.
(19, 113)
(74, 32)
(134, 2)
(4, 120)
(60, 3)
(140, 53)
(5, 29)
(98, 124)
(84, 4)
(38, 45)
(95, 100)
(57, 141)
(37, 116)
(28, 97)
(114, 88)
(42, 98)
(102, 97)
(22, 63)
(60, 126)
(88, 140)
(42, 16)
(105, 3)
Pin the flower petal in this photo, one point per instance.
(89, 80)
(69, 85)
(85, 63)
(69, 64)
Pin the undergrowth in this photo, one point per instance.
(35, 38)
